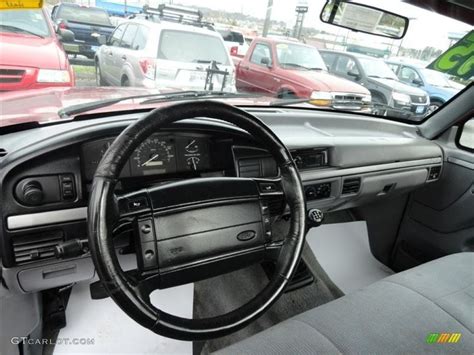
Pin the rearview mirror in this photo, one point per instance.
(266, 61)
(102, 39)
(466, 139)
(364, 18)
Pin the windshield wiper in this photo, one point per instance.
(288, 102)
(186, 95)
(171, 96)
(204, 61)
(301, 66)
(15, 29)
(295, 65)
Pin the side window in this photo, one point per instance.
(408, 75)
(261, 51)
(329, 59)
(117, 35)
(345, 65)
(129, 36)
(139, 42)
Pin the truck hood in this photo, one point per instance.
(42, 105)
(398, 86)
(323, 81)
(29, 51)
(443, 92)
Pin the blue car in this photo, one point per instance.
(436, 84)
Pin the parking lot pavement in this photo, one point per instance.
(85, 75)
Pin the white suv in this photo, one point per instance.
(161, 55)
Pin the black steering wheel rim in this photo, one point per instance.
(119, 287)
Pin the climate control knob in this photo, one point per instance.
(33, 193)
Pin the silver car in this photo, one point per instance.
(165, 55)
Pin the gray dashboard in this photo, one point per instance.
(365, 159)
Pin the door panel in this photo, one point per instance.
(258, 75)
(439, 218)
(111, 70)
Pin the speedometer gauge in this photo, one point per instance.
(156, 155)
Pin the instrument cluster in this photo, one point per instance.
(157, 155)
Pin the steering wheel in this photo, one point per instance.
(194, 229)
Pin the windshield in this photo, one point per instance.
(92, 55)
(232, 36)
(84, 15)
(435, 78)
(189, 47)
(295, 55)
(29, 22)
(377, 68)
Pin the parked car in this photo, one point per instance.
(390, 96)
(87, 24)
(234, 41)
(436, 84)
(163, 55)
(31, 55)
(289, 69)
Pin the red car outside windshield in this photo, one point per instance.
(31, 55)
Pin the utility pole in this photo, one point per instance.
(266, 25)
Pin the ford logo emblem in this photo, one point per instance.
(245, 236)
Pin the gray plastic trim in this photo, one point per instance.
(335, 173)
(448, 115)
(463, 163)
(45, 218)
(45, 277)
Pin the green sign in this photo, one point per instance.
(457, 60)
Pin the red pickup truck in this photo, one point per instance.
(289, 69)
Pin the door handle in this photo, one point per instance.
(110, 54)
(245, 68)
(124, 57)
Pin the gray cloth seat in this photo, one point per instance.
(394, 315)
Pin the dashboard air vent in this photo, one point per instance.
(35, 247)
(351, 186)
(3, 152)
(249, 168)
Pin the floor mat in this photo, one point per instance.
(226, 292)
(113, 332)
(343, 251)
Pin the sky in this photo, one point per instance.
(427, 28)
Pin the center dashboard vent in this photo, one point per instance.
(351, 186)
(30, 248)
